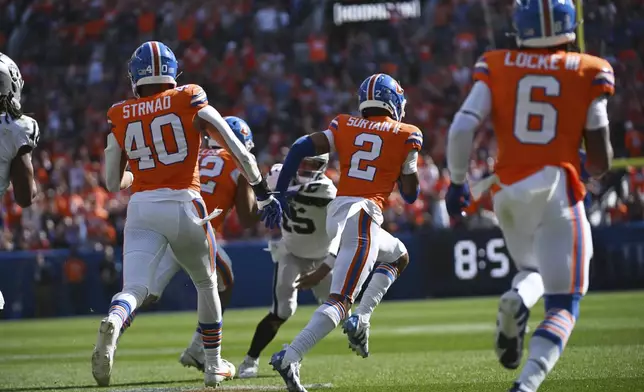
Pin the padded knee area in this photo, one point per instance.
(208, 283)
(569, 302)
(286, 310)
(402, 263)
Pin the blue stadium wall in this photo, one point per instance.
(444, 263)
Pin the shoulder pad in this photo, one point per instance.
(197, 95)
(25, 131)
(322, 188)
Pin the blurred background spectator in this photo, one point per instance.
(287, 67)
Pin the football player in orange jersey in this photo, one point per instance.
(159, 134)
(217, 172)
(375, 151)
(543, 99)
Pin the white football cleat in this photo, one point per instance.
(356, 328)
(290, 372)
(103, 355)
(511, 326)
(193, 357)
(216, 375)
(249, 368)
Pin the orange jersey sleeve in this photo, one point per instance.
(158, 135)
(218, 176)
(540, 101)
(371, 154)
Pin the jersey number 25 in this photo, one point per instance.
(526, 110)
(139, 151)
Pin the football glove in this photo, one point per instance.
(456, 199)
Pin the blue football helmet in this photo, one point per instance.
(152, 63)
(544, 23)
(382, 91)
(240, 129)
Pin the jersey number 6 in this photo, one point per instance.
(137, 150)
(527, 110)
(368, 172)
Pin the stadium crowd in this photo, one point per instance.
(285, 68)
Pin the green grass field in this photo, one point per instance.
(435, 345)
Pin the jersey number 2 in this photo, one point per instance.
(210, 172)
(368, 172)
(527, 109)
(137, 150)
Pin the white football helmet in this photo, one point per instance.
(312, 168)
(11, 81)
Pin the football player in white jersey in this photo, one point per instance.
(305, 255)
(19, 136)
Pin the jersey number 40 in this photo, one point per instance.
(527, 112)
(138, 150)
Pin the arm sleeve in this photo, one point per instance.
(410, 166)
(597, 116)
(474, 110)
(273, 175)
(233, 145)
(112, 164)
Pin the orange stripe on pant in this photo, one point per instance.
(210, 235)
(360, 258)
(224, 272)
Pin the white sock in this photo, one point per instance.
(529, 285)
(324, 320)
(210, 320)
(543, 356)
(126, 302)
(383, 277)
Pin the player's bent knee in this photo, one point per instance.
(275, 320)
(287, 310)
(138, 291)
(402, 263)
(150, 300)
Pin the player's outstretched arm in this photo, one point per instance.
(306, 146)
(116, 177)
(599, 151)
(22, 177)
(210, 120)
(245, 204)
